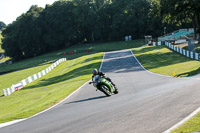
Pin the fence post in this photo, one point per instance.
(178, 49)
(184, 52)
(196, 56)
(181, 51)
(5, 92)
(191, 55)
(187, 53)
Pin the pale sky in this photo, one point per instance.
(11, 9)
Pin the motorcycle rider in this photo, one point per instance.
(101, 74)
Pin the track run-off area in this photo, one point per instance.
(146, 103)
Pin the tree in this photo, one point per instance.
(2, 25)
(9, 42)
(66, 23)
(28, 33)
(59, 25)
(20, 37)
(130, 18)
(180, 12)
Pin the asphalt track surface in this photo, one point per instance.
(146, 103)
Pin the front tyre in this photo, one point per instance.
(116, 91)
(105, 89)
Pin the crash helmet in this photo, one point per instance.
(94, 71)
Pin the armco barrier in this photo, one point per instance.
(184, 52)
(30, 79)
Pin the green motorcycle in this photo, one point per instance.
(104, 85)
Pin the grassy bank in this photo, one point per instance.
(49, 89)
(57, 84)
(164, 61)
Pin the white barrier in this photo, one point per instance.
(128, 38)
(30, 79)
(177, 49)
(188, 53)
(181, 51)
(191, 55)
(196, 56)
(184, 52)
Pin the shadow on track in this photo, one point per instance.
(88, 99)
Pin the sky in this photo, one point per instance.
(11, 9)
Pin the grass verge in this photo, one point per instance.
(189, 126)
(49, 89)
(164, 61)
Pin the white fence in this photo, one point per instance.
(184, 52)
(30, 79)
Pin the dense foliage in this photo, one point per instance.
(180, 12)
(2, 25)
(65, 23)
(0, 42)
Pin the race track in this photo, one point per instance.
(146, 103)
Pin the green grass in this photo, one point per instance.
(189, 126)
(4, 59)
(164, 61)
(49, 89)
(57, 84)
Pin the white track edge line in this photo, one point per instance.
(145, 68)
(16, 121)
(102, 62)
(185, 119)
(167, 131)
(160, 74)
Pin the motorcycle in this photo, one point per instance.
(104, 85)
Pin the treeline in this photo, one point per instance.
(66, 23)
(2, 25)
(179, 12)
